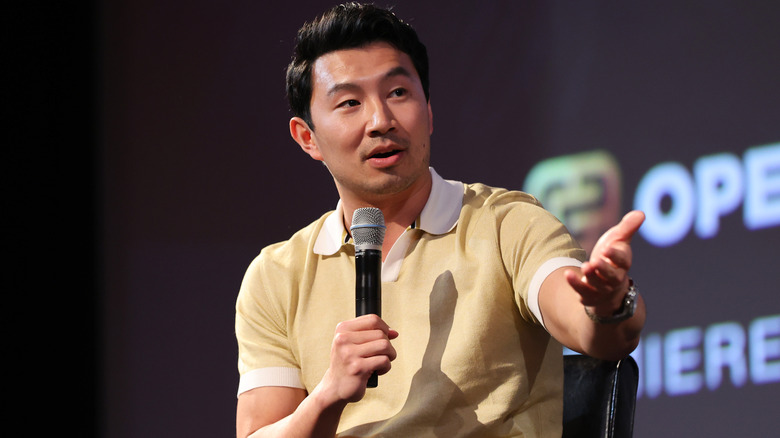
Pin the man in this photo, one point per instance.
(481, 286)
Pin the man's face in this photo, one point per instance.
(372, 121)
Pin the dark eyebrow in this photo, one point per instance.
(341, 87)
(393, 72)
(398, 71)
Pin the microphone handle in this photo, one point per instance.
(368, 289)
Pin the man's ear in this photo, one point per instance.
(304, 136)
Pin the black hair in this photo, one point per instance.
(347, 26)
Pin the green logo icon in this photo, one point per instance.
(582, 190)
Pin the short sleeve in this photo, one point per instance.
(264, 354)
(533, 243)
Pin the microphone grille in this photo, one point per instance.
(368, 227)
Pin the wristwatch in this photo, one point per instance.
(626, 310)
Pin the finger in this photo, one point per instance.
(357, 359)
(380, 347)
(628, 226)
(365, 322)
(617, 254)
(378, 364)
(362, 336)
(578, 282)
(363, 343)
(596, 284)
(610, 271)
(362, 360)
(606, 279)
(591, 288)
(587, 294)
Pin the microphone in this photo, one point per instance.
(368, 232)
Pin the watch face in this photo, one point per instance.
(630, 301)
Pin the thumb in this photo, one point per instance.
(628, 226)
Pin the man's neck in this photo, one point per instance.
(399, 210)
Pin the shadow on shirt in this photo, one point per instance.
(455, 415)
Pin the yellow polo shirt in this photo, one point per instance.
(461, 288)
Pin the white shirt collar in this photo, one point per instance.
(439, 216)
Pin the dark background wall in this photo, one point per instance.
(149, 162)
(51, 218)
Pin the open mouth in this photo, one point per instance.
(385, 154)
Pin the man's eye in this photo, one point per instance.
(398, 92)
(349, 103)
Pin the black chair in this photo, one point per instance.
(599, 397)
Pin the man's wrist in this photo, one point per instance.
(626, 310)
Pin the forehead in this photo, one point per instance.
(359, 66)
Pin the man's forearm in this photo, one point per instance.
(314, 417)
(612, 341)
(566, 319)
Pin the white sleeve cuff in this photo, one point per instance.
(271, 376)
(541, 274)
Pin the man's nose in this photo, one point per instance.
(382, 119)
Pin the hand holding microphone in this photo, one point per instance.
(362, 345)
(368, 232)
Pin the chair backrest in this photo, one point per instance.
(599, 397)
